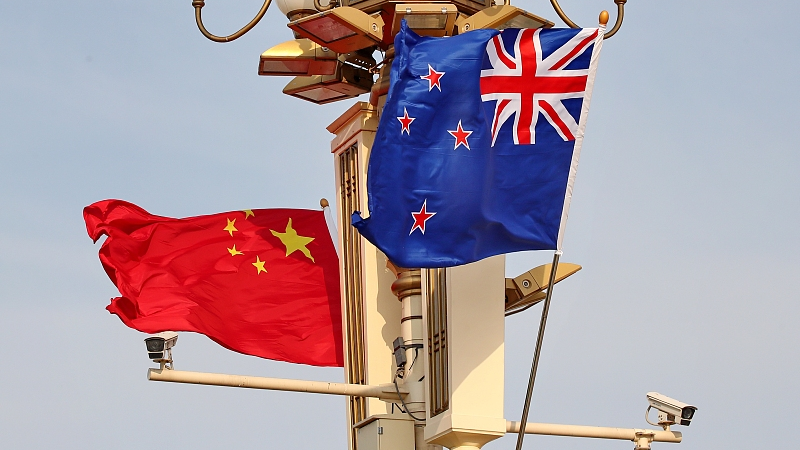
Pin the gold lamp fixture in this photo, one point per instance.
(427, 19)
(343, 29)
(501, 17)
(528, 289)
(350, 80)
(348, 25)
(330, 56)
(299, 57)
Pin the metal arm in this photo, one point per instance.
(320, 7)
(627, 434)
(609, 33)
(386, 392)
(198, 5)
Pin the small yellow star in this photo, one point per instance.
(234, 252)
(293, 242)
(259, 265)
(230, 228)
(248, 213)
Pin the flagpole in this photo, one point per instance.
(537, 351)
(326, 210)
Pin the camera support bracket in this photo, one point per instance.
(166, 363)
(643, 440)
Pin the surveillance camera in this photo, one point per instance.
(400, 353)
(159, 345)
(671, 411)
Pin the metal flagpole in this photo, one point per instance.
(538, 350)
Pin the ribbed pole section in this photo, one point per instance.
(408, 289)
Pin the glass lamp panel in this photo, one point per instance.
(520, 21)
(327, 29)
(426, 21)
(288, 67)
(321, 94)
(322, 67)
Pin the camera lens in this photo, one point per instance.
(687, 413)
(154, 345)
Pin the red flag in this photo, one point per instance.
(264, 282)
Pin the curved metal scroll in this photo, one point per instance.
(609, 33)
(321, 7)
(198, 5)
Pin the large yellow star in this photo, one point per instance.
(230, 228)
(293, 242)
(259, 265)
(248, 213)
(234, 252)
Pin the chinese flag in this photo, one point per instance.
(263, 282)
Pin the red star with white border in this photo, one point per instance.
(433, 78)
(461, 136)
(405, 121)
(421, 217)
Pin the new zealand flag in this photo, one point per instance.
(478, 144)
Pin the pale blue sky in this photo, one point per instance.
(685, 219)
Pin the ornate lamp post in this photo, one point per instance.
(418, 373)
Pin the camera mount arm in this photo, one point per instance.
(641, 437)
(386, 392)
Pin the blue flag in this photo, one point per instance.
(478, 144)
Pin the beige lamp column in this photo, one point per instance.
(408, 289)
(464, 311)
(371, 314)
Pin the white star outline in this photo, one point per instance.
(406, 127)
(422, 212)
(460, 130)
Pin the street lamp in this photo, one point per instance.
(440, 309)
(334, 26)
(348, 26)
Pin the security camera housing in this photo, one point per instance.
(159, 344)
(671, 411)
(400, 353)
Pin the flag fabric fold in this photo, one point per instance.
(478, 144)
(263, 282)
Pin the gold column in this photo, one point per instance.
(438, 380)
(371, 314)
(352, 299)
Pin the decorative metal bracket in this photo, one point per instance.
(198, 5)
(609, 33)
(320, 7)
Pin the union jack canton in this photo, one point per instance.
(526, 84)
(478, 144)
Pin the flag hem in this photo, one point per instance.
(576, 153)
